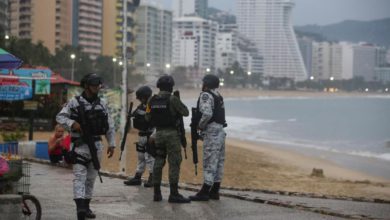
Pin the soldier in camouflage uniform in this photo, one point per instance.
(100, 122)
(212, 121)
(163, 110)
(145, 159)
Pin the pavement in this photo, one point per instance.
(52, 185)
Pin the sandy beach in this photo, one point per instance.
(265, 166)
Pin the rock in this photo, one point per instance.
(317, 173)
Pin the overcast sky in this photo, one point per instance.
(322, 11)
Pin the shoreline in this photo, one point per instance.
(262, 166)
(254, 93)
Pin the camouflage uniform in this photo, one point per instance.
(145, 160)
(84, 177)
(168, 143)
(213, 140)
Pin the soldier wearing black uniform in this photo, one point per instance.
(145, 129)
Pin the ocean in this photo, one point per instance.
(353, 132)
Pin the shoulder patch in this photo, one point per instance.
(205, 97)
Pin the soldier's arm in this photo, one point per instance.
(110, 135)
(206, 102)
(64, 116)
(179, 106)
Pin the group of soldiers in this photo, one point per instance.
(155, 119)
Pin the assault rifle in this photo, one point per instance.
(194, 137)
(87, 138)
(180, 128)
(126, 130)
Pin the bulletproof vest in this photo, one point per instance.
(139, 121)
(96, 118)
(218, 111)
(159, 111)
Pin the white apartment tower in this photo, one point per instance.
(268, 24)
(183, 8)
(194, 42)
(153, 39)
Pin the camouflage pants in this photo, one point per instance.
(167, 144)
(213, 153)
(144, 159)
(84, 177)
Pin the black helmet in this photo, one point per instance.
(211, 81)
(143, 92)
(165, 81)
(91, 79)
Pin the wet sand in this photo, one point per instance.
(265, 167)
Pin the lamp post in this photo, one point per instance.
(168, 66)
(231, 72)
(114, 61)
(208, 70)
(72, 57)
(147, 69)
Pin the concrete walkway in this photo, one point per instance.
(53, 187)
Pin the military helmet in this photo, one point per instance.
(165, 81)
(143, 92)
(211, 81)
(91, 79)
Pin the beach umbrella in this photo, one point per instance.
(9, 61)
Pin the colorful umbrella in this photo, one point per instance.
(9, 61)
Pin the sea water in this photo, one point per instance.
(351, 131)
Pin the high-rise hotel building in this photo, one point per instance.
(58, 23)
(268, 24)
(153, 44)
(183, 8)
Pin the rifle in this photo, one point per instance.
(127, 128)
(180, 128)
(194, 137)
(87, 138)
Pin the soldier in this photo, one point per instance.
(163, 110)
(145, 130)
(212, 121)
(100, 123)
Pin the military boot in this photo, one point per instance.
(203, 194)
(175, 197)
(149, 183)
(214, 192)
(80, 209)
(157, 193)
(135, 181)
(89, 213)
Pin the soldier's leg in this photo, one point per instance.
(80, 177)
(174, 159)
(210, 158)
(149, 164)
(221, 157)
(92, 173)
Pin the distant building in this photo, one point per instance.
(153, 40)
(306, 48)
(249, 57)
(268, 24)
(87, 26)
(380, 57)
(194, 42)
(4, 16)
(364, 62)
(183, 8)
(58, 23)
(382, 74)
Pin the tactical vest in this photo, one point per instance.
(218, 111)
(97, 119)
(160, 113)
(139, 121)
